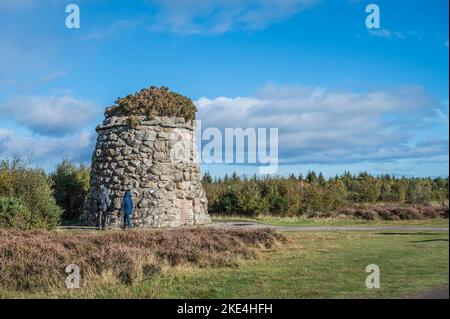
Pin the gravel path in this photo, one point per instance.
(251, 225)
(435, 293)
(255, 225)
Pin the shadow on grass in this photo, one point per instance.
(429, 240)
(411, 233)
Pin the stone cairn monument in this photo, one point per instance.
(146, 144)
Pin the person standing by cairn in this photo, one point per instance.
(103, 204)
(127, 208)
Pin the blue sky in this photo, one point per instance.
(343, 97)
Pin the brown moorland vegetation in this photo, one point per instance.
(151, 102)
(388, 212)
(36, 260)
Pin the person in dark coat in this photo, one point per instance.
(127, 208)
(103, 203)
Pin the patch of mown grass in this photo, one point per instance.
(325, 265)
(334, 221)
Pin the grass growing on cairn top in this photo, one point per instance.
(151, 102)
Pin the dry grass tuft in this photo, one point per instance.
(36, 260)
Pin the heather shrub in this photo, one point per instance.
(444, 212)
(386, 214)
(435, 211)
(36, 260)
(346, 212)
(133, 121)
(407, 213)
(153, 102)
(366, 214)
(33, 188)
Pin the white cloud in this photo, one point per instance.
(16, 4)
(4, 133)
(392, 34)
(47, 151)
(112, 30)
(221, 16)
(442, 113)
(51, 115)
(61, 127)
(316, 125)
(382, 33)
(29, 4)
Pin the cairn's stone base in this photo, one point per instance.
(157, 161)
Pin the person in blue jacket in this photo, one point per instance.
(127, 208)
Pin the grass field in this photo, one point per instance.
(298, 221)
(309, 265)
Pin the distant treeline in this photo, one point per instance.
(306, 195)
(31, 198)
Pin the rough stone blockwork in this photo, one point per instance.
(156, 160)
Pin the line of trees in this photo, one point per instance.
(303, 195)
(30, 198)
(70, 184)
(26, 197)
